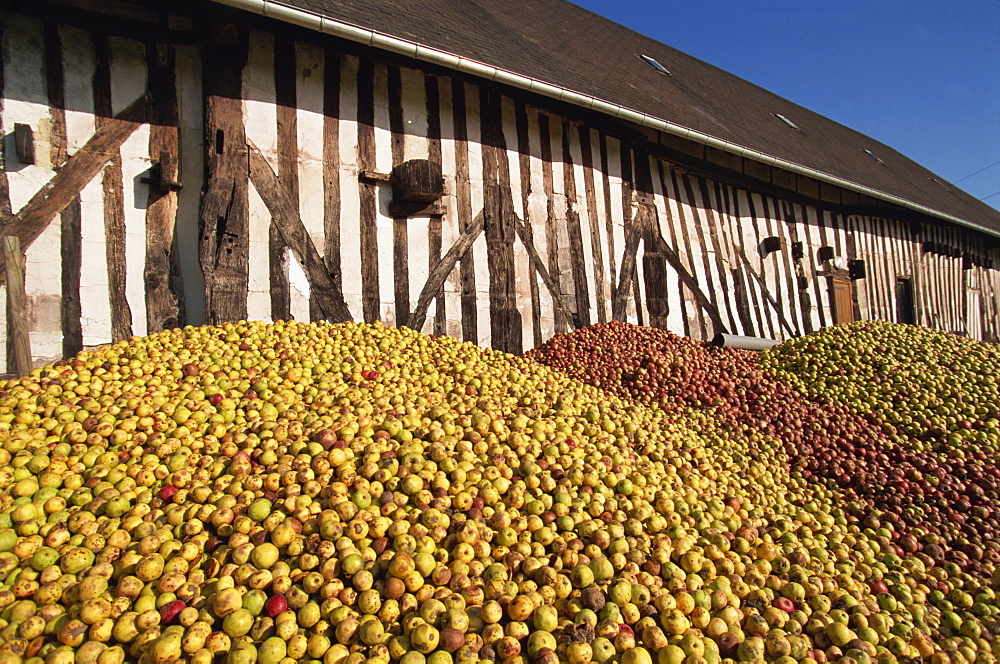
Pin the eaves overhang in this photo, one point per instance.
(375, 39)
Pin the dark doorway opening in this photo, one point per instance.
(904, 302)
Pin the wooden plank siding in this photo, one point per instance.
(548, 222)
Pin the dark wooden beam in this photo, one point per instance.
(5, 210)
(463, 195)
(162, 308)
(286, 110)
(628, 270)
(70, 231)
(578, 261)
(113, 185)
(224, 246)
(524, 168)
(432, 94)
(18, 342)
(498, 213)
(368, 194)
(331, 185)
(400, 232)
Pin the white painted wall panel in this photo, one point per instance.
(350, 207)
(25, 102)
(384, 223)
(95, 306)
(128, 72)
(135, 164)
(261, 124)
(414, 101)
(79, 64)
(192, 172)
(298, 304)
(309, 122)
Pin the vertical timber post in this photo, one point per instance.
(224, 250)
(18, 344)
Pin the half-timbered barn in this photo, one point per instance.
(499, 172)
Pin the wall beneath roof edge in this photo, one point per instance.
(588, 202)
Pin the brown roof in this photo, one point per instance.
(565, 45)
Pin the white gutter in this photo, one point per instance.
(325, 25)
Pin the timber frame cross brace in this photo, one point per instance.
(644, 226)
(461, 246)
(288, 221)
(78, 171)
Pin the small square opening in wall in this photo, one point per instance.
(770, 244)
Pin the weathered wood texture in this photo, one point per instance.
(467, 276)
(498, 218)
(161, 272)
(285, 72)
(114, 203)
(285, 219)
(432, 90)
(18, 341)
(70, 235)
(331, 183)
(224, 249)
(400, 236)
(369, 193)
(5, 210)
(552, 223)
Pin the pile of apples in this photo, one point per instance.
(353, 493)
(902, 420)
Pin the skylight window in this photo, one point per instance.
(654, 64)
(873, 156)
(787, 121)
(941, 184)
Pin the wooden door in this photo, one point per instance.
(842, 296)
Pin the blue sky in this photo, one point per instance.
(920, 76)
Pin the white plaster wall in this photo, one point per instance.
(449, 223)
(414, 101)
(26, 101)
(384, 223)
(261, 123)
(79, 64)
(535, 216)
(350, 205)
(416, 145)
(309, 87)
